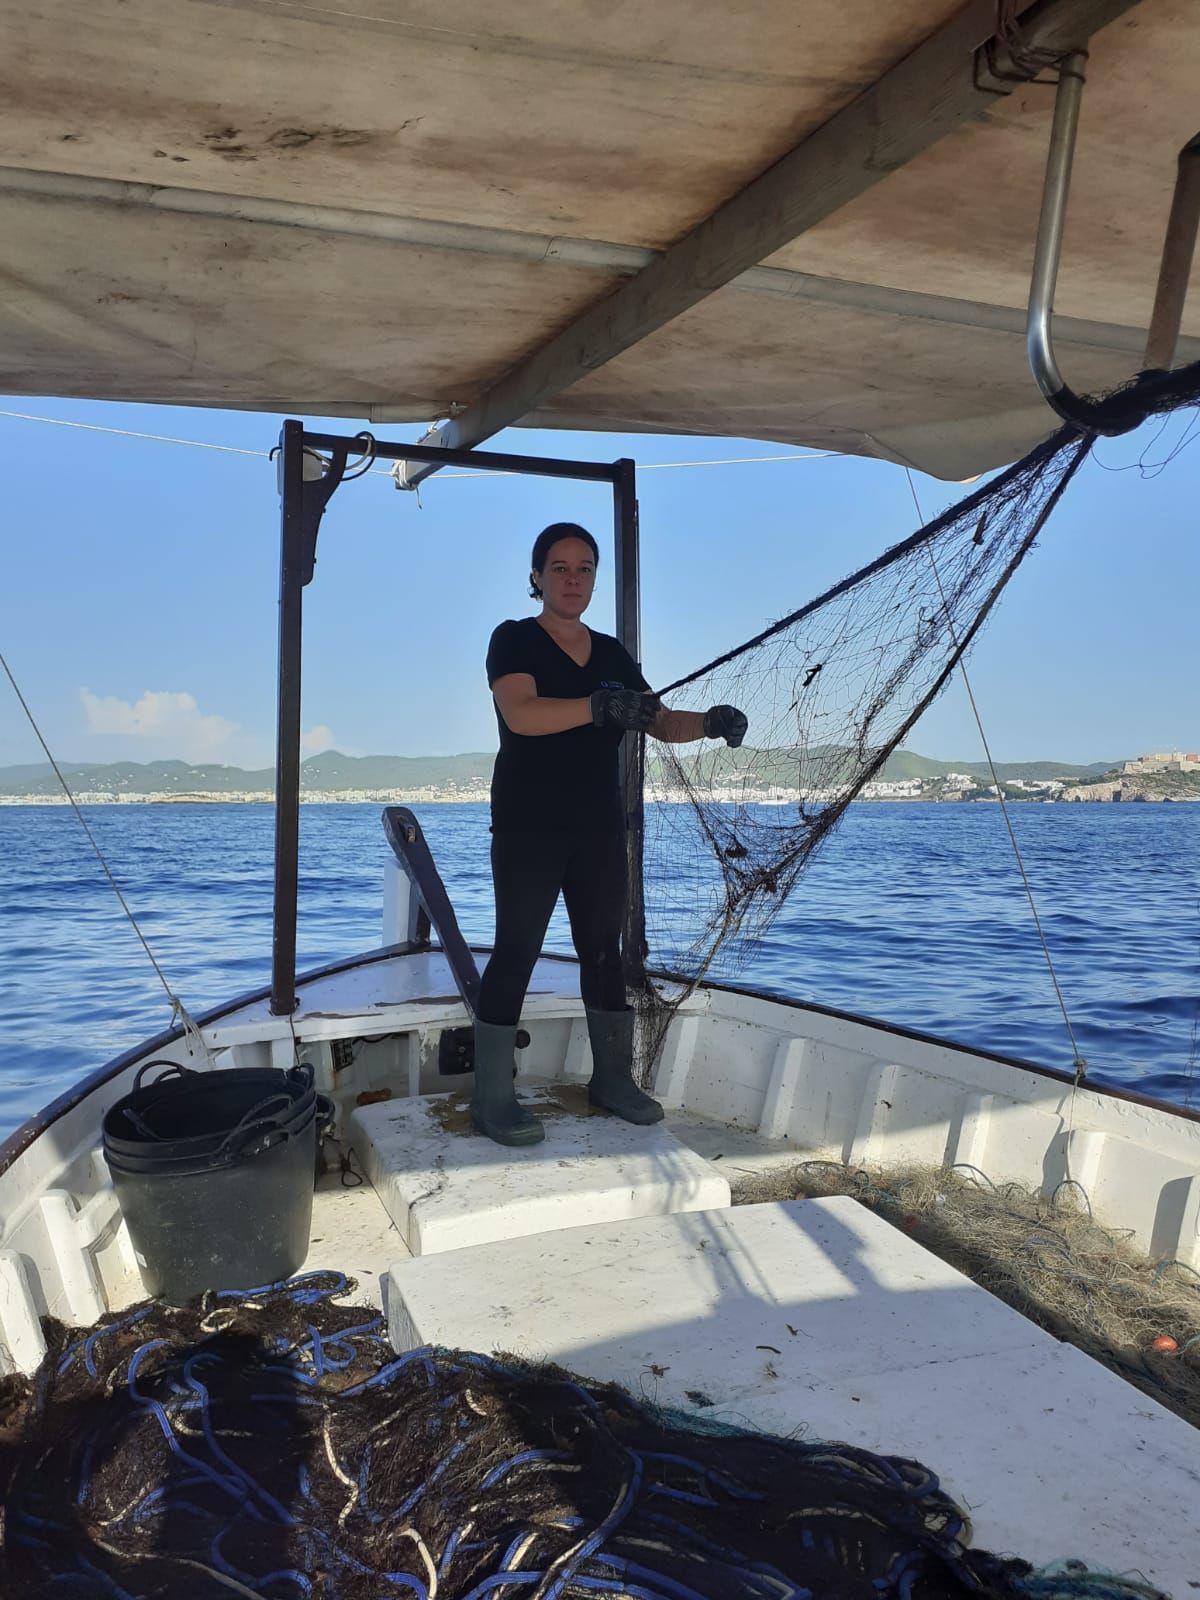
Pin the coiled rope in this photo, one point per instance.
(270, 1444)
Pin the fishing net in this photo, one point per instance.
(270, 1445)
(831, 690)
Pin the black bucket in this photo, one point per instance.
(214, 1175)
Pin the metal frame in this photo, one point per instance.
(1175, 267)
(311, 466)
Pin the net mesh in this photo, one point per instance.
(831, 691)
(271, 1445)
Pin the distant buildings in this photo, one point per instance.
(1164, 761)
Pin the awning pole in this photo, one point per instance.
(287, 747)
(629, 632)
(1173, 274)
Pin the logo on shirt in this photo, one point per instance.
(608, 683)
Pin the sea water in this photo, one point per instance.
(915, 914)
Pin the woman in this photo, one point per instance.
(564, 698)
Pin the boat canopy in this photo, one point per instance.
(812, 224)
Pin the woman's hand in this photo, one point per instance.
(726, 722)
(624, 708)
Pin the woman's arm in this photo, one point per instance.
(525, 711)
(685, 727)
(678, 727)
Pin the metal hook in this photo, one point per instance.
(1173, 273)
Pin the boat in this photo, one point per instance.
(817, 228)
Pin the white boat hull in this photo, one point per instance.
(761, 1079)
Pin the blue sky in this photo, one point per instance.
(138, 603)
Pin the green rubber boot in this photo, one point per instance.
(495, 1109)
(612, 1086)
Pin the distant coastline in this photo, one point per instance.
(746, 776)
(1095, 794)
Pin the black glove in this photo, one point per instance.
(726, 722)
(624, 708)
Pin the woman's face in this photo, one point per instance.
(568, 578)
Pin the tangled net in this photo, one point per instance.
(1046, 1256)
(831, 690)
(270, 1445)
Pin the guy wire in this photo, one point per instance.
(1078, 1063)
(178, 1008)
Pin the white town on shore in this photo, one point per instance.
(1119, 784)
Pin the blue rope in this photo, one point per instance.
(514, 1547)
(287, 1575)
(501, 1580)
(634, 1591)
(385, 1374)
(164, 1422)
(666, 1585)
(88, 1344)
(667, 1492)
(506, 1467)
(608, 1527)
(33, 1521)
(295, 1288)
(732, 1487)
(409, 1582)
(719, 1552)
(318, 1356)
(452, 1544)
(242, 1476)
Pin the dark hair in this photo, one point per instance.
(550, 537)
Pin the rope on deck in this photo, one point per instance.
(271, 1444)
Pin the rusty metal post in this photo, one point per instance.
(1175, 269)
(625, 530)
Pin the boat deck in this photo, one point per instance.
(1052, 1455)
(352, 1233)
(814, 1318)
(817, 1319)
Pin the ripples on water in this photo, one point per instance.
(913, 913)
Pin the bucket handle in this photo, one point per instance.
(252, 1122)
(173, 1067)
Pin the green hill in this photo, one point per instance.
(331, 772)
(906, 764)
(134, 777)
(321, 774)
(788, 768)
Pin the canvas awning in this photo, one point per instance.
(381, 211)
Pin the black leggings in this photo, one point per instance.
(528, 870)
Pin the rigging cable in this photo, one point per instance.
(383, 472)
(179, 1010)
(1078, 1063)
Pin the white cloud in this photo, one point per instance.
(173, 721)
(167, 725)
(317, 739)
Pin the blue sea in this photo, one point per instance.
(911, 913)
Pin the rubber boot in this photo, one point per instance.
(612, 1086)
(495, 1109)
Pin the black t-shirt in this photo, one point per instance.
(558, 780)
